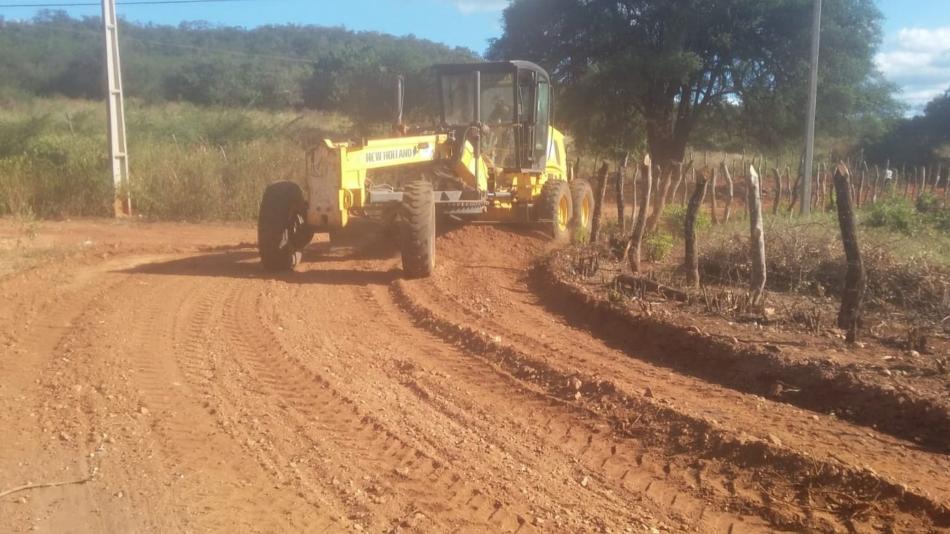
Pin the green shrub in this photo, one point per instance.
(927, 203)
(657, 246)
(894, 214)
(674, 220)
(940, 218)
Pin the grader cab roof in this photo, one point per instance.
(492, 66)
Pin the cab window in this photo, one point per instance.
(498, 98)
(458, 98)
(542, 123)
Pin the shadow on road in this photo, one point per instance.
(360, 257)
(245, 264)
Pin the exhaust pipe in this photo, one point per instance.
(399, 127)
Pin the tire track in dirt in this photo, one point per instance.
(215, 482)
(272, 429)
(508, 279)
(51, 416)
(613, 470)
(572, 347)
(778, 483)
(448, 304)
(378, 357)
(41, 307)
(359, 446)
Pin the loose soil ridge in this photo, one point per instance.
(852, 392)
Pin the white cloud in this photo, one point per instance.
(468, 7)
(925, 39)
(918, 60)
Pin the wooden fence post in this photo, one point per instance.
(796, 192)
(887, 169)
(692, 179)
(864, 172)
(757, 232)
(634, 203)
(636, 238)
(621, 171)
(691, 261)
(854, 194)
(875, 184)
(906, 181)
(713, 206)
(855, 280)
(946, 183)
(663, 182)
(681, 174)
(730, 189)
(599, 194)
(778, 191)
(937, 178)
(819, 188)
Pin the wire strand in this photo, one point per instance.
(124, 3)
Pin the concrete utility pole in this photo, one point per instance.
(805, 204)
(115, 102)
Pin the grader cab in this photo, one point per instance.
(493, 157)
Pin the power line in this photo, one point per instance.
(126, 3)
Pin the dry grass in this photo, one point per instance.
(187, 162)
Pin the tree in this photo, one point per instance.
(271, 66)
(670, 62)
(919, 140)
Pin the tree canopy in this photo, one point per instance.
(662, 66)
(917, 140)
(284, 66)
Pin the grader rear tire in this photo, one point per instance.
(555, 209)
(281, 230)
(417, 229)
(582, 200)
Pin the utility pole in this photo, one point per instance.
(805, 204)
(115, 103)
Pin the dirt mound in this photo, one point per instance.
(802, 373)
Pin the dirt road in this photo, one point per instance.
(175, 387)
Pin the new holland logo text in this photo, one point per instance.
(389, 155)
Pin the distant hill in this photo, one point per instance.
(325, 68)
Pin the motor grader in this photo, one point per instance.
(493, 157)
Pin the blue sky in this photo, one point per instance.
(916, 50)
(915, 55)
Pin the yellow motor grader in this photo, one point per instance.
(494, 157)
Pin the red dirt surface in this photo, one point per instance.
(189, 391)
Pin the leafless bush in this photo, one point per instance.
(806, 258)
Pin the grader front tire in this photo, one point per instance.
(417, 230)
(281, 230)
(555, 209)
